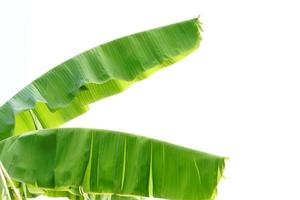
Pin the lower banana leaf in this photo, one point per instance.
(86, 162)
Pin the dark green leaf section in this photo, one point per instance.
(65, 162)
(65, 92)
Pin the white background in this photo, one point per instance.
(237, 96)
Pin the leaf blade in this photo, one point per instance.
(64, 92)
(175, 170)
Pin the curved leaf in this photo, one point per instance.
(69, 161)
(65, 92)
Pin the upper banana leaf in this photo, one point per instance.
(72, 162)
(65, 92)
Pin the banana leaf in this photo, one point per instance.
(75, 162)
(64, 92)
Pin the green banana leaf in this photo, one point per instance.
(71, 162)
(64, 92)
